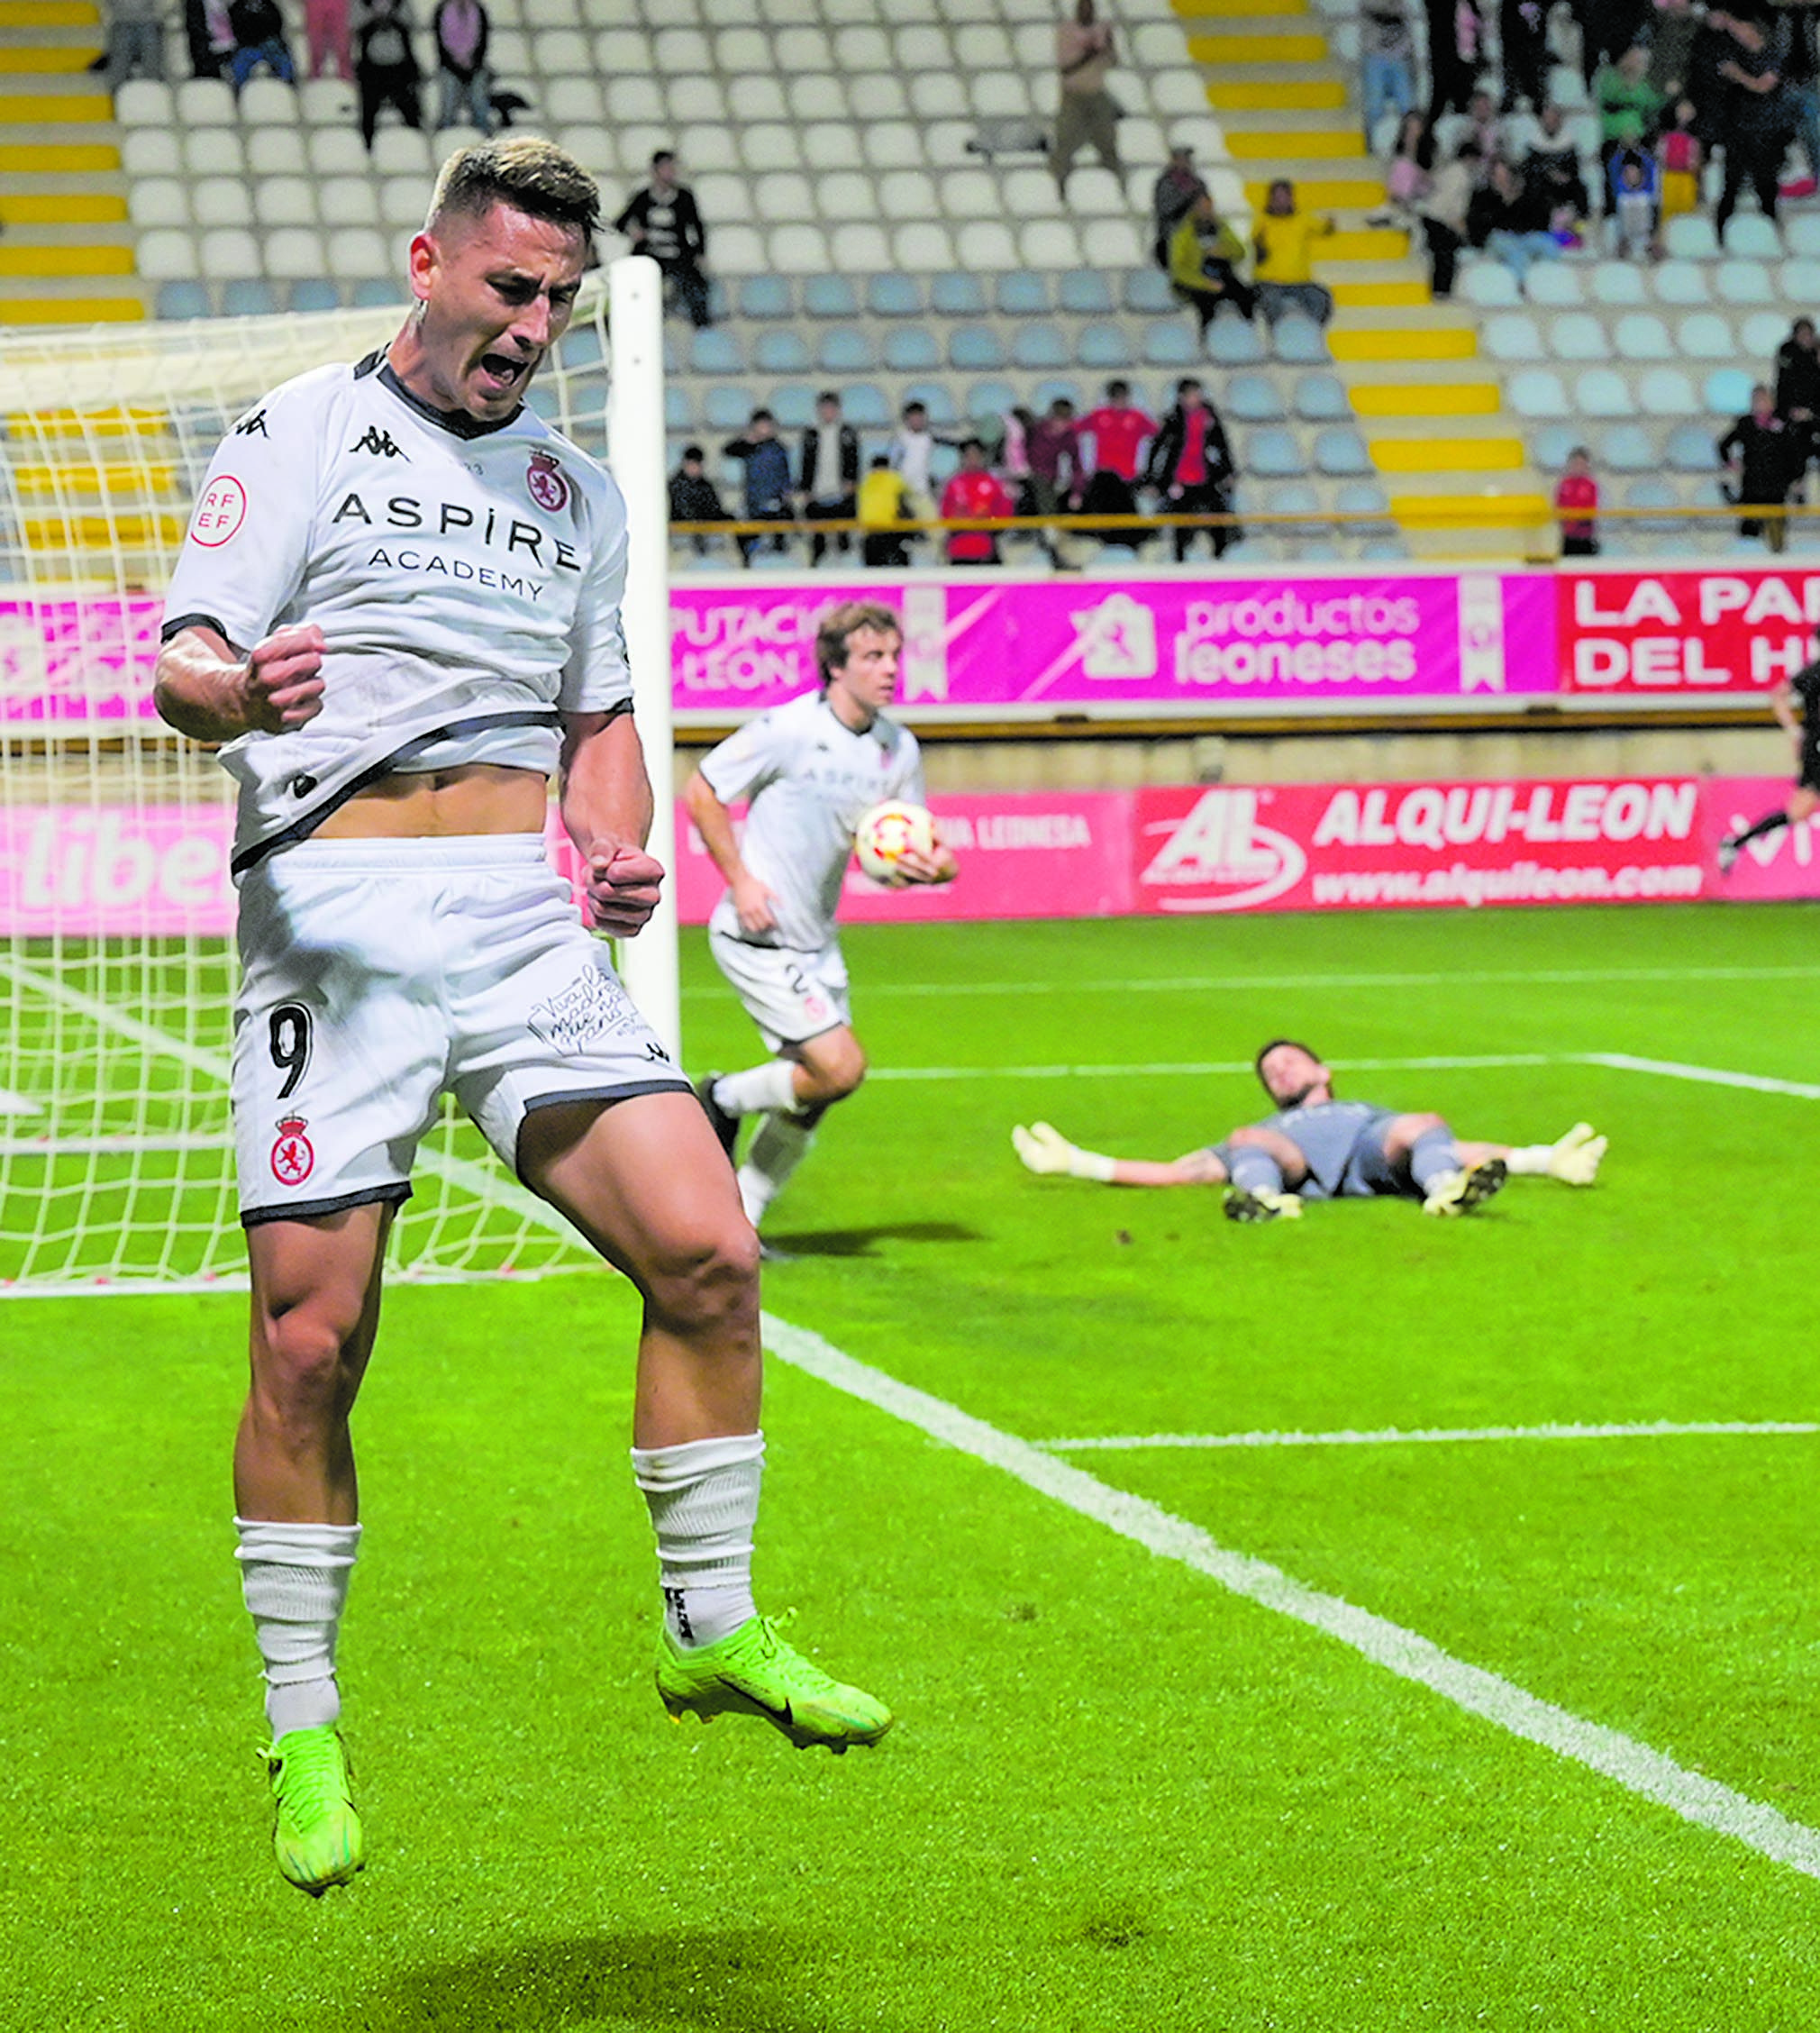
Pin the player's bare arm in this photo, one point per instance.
(207, 689)
(1044, 1149)
(752, 898)
(606, 807)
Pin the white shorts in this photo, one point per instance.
(791, 996)
(376, 975)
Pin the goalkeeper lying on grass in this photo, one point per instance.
(1317, 1148)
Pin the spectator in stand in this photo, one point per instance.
(1576, 505)
(135, 42)
(663, 219)
(1387, 64)
(1204, 254)
(1523, 32)
(209, 36)
(1673, 33)
(1444, 210)
(1756, 120)
(1607, 28)
(912, 458)
(1014, 456)
(1085, 52)
(1553, 166)
(1680, 158)
(258, 42)
(828, 474)
(883, 501)
(1284, 270)
(1481, 126)
(1760, 464)
(1798, 394)
(1510, 219)
(385, 66)
(1191, 468)
(1405, 177)
(1629, 107)
(694, 499)
(1053, 447)
(463, 31)
(1177, 188)
(326, 39)
(1799, 62)
(1119, 431)
(768, 481)
(1635, 205)
(1455, 47)
(974, 491)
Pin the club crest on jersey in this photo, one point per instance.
(547, 483)
(294, 1157)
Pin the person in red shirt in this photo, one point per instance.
(1191, 468)
(1118, 432)
(974, 491)
(1575, 501)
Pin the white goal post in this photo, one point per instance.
(116, 950)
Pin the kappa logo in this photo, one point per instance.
(380, 443)
(1217, 857)
(546, 483)
(294, 1158)
(253, 426)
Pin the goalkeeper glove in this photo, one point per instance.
(1574, 1159)
(1043, 1149)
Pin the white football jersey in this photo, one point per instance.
(809, 778)
(466, 577)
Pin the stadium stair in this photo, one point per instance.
(1456, 470)
(67, 255)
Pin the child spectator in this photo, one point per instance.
(1406, 173)
(258, 30)
(1387, 64)
(974, 491)
(1636, 213)
(767, 479)
(1283, 238)
(1629, 105)
(1576, 504)
(1680, 157)
(883, 500)
(385, 66)
(694, 499)
(326, 37)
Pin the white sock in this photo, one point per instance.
(295, 1579)
(780, 1146)
(704, 1500)
(1529, 1160)
(758, 1090)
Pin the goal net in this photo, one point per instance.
(116, 953)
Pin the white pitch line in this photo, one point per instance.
(1392, 1435)
(1635, 1766)
(1197, 1068)
(1707, 1076)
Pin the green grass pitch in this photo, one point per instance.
(1119, 1796)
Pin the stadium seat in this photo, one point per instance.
(740, 252)
(769, 148)
(337, 151)
(293, 252)
(990, 398)
(1055, 388)
(798, 251)
(974, 348)
(145, 102)
(1705, 335)
(1641, 335)
(1550, 446)
(326, 102)
(727, 406)
(937, 397)
(1681, 283)
(867, 407)
(1361, 497)
(1510, 335)
(793, 404)
(248, 297)
(923, 248)
(780, 352)
(858, 250)
(1030, 193)
(985, 246)
(181, 300)
(360, 255)
(349, 201)
(168, 253)
(1112, 243)
(1040, 345)
(1744, 281)
(1489, 285)
(220, 201)
(1762, 332)
(157, 201)
(1103, 345)
(846, 194)
(1537, 392)
(1690, 450)
(205, 102)
(152, 151)
(1322, 398)
(1576, 335)
(725, 197)
(1556, 284)
(371, 291)
(1084, 292)
(766, 297)
(889, 294)
(1627, 448)
(1052, 245)
(1272, 453)
(226, 252)
(1751, 233)
(1689, 237)
(269, 101)
(1171, 345)
(830, 296)
(889, 143)
(676, 413)
(291, 201)
(716, 351)
(1252, 397)
(954, 293)
(1801, 233)
(937, 94)
(845, 349)
(1617, 284)
(1603, 391)
(1147, 292)
(1340, 452)
(1020, 293)
(1798, 280)
(1727, 392)
(911, 349)
(1235, 342)
(1299, 341)
(696, 101)
(908, 194)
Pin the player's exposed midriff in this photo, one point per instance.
(432, 804)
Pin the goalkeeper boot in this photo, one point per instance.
(1459, 1192)
(725, 1126)
(317, 1840)
(1253, 1203)
(754, 1673)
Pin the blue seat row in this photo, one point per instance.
(953, 293)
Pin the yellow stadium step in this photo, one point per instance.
(65, 261)
(1447, 455)
(49, 14)
(61, 208)
(64, 59)
(1314, 95)
(1380, 295)
(57, 159)
(58, 426)
(1325, 193)
(1465, 512)
(1427, 398)
(1438, 343)
(1278, 145)
(1192, 11)
(70, 310)
(36, 482)
(1258, 49)
(104, 532)
(54, 109)
(1361, 243)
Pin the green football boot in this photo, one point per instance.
(317, 1840)
(754, 1673)
(1459, 1192)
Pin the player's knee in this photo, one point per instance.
(837, 1073)
(708, 1284)
(302, 1362)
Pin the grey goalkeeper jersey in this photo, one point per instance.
(1328, 1135)
(809, 778)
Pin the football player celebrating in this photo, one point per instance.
(1317, 1148)
(397, 607)
(811, 769)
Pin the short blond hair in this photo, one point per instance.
(523, 171)
(839, 623)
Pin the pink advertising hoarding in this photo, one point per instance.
(77, 660)
(1077, 644)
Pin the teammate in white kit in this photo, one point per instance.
(810, 770)
(398, 607)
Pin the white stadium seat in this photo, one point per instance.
(1554, 283)
(1603, 391)
(337, 151)
(1618, 284)
(276, 152)
(1576, 335)
(285, 201)
(269, 101)
(168, 254)
(1666, 391)
(227, 251)
(217, 151)
(1641, 335)
(768, 146)
(1705, 335)
(859, 250)
(923, 248)
(1681, 282)
(295, 254)
(205, 102)
(1537, 392)
(359, 254)
(1489, 285)
(1744, 281)
(150, 151)
(157, 201)
(144, 101)
(221, 201)
(349, 201)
